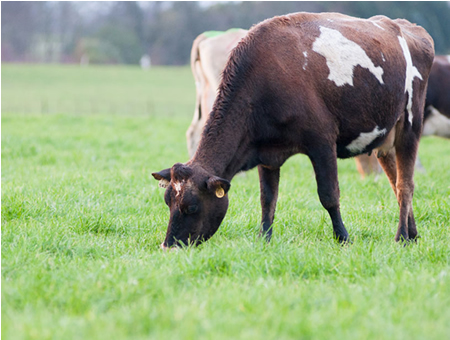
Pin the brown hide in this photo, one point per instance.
(436, 114)
(325, 85)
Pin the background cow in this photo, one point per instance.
(325, 85)
(436, 114)
(209, 55)
(437, 111)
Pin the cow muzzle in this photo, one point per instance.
(169, 249)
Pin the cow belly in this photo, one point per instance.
(364, 139)
(361, 143)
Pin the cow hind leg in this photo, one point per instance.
(269, 180)
(406, 151)
(325, 167)
(389, 165)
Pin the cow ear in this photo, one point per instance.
(219, 186)
(163, 177)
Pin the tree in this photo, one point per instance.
(121, 32)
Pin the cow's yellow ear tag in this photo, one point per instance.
(220, 192)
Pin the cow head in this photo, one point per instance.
(197, 201)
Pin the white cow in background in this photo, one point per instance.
(209, 55)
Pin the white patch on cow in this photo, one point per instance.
(342, 56)
(411, 73)
(382, 56)
(177, 187)
(377, 25)
(306, 60)
(364, 139)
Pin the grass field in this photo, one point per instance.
(82, 220)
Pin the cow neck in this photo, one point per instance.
(227, 150)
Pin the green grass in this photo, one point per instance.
(82, 220)
(97, 89)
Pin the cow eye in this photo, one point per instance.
(192, 209)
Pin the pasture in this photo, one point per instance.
(82, 221)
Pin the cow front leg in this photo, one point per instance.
(325, 167)
(268, 181)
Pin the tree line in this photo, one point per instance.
(122, 32)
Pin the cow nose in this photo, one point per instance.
(168, 249)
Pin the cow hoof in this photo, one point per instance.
(405, 242)
(267, 236)
(414, 236)
(414, 239)
(343, 239)
(401, 239)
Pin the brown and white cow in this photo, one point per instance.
(209, 55)
(325, 85)
(436, 114)
(437, 106)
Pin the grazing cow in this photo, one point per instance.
(209, 55)
(437, 106)
(326, 85)
(436, 114)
